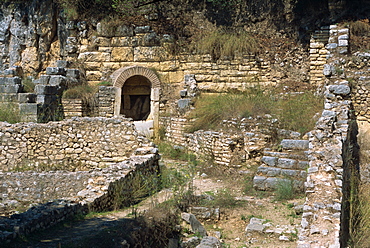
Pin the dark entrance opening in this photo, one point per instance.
(135, 100)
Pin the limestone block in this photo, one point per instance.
(151, 39)
(74, 73)
(315, 45)
(102, 41)
(110, 66)
(270, 161)
(57, 80)
(93, 75)
(93, 66)
(122, 54)
(295, 144)
(150, 54)
(94, 57)
(8, 97)
(142, 29)
(342, 43)
(46, 90)
(121, 42)
(286, 163)
(340, 89)
(105, 49)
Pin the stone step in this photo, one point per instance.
(280, 172)
(285, 163)
(296, 155)
(292, 144)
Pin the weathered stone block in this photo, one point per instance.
(58, 81)
(75, 73)
(183, 103)
(55, 71)
(149, 54)
(8, 97)
(94, 57)
(270, 161)
(151, 39)
(13, 80)
(122, 54)
(295, 144)
(46, 90)
(340, 89)
(15, 88)
(286, 163)
(142, 29)
(46, 99)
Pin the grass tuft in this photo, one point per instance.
(284, 190)
(221, 43)
(10, 113)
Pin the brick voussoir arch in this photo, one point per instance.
(120, 76)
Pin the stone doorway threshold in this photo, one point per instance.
(145, 128)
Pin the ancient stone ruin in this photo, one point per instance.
(90, 150)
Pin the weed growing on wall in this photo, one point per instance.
(284, 190)
(9, 112)
(221, 43)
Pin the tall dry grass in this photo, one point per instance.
(221, 43)
(360, 218)
(295, 112)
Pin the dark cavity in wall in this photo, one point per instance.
(350, 156)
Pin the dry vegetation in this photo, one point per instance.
(360, 35)
(295, 112)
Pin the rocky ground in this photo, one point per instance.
(240, 216)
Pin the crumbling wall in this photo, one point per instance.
(70, 193)
(331, 148)
(87, 142)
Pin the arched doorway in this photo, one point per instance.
(137, 94)
(135, 98)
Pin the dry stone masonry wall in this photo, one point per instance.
(56, 196)
(91, 142)
(325, 213)
(229, 148)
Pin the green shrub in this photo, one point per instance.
(10, 113)
(284, 190)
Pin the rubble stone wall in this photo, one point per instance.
(88, 142)
(332, 146)
(226, 147)
(58, 195)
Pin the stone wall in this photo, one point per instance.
(92, 142)
(56, 196)
(237, 141)
(332, 148)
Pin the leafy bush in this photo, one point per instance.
(360, 35)
(10, 113)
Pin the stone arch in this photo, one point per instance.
(126, 76)
(121, 75)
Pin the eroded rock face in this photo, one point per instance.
(27, 31)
